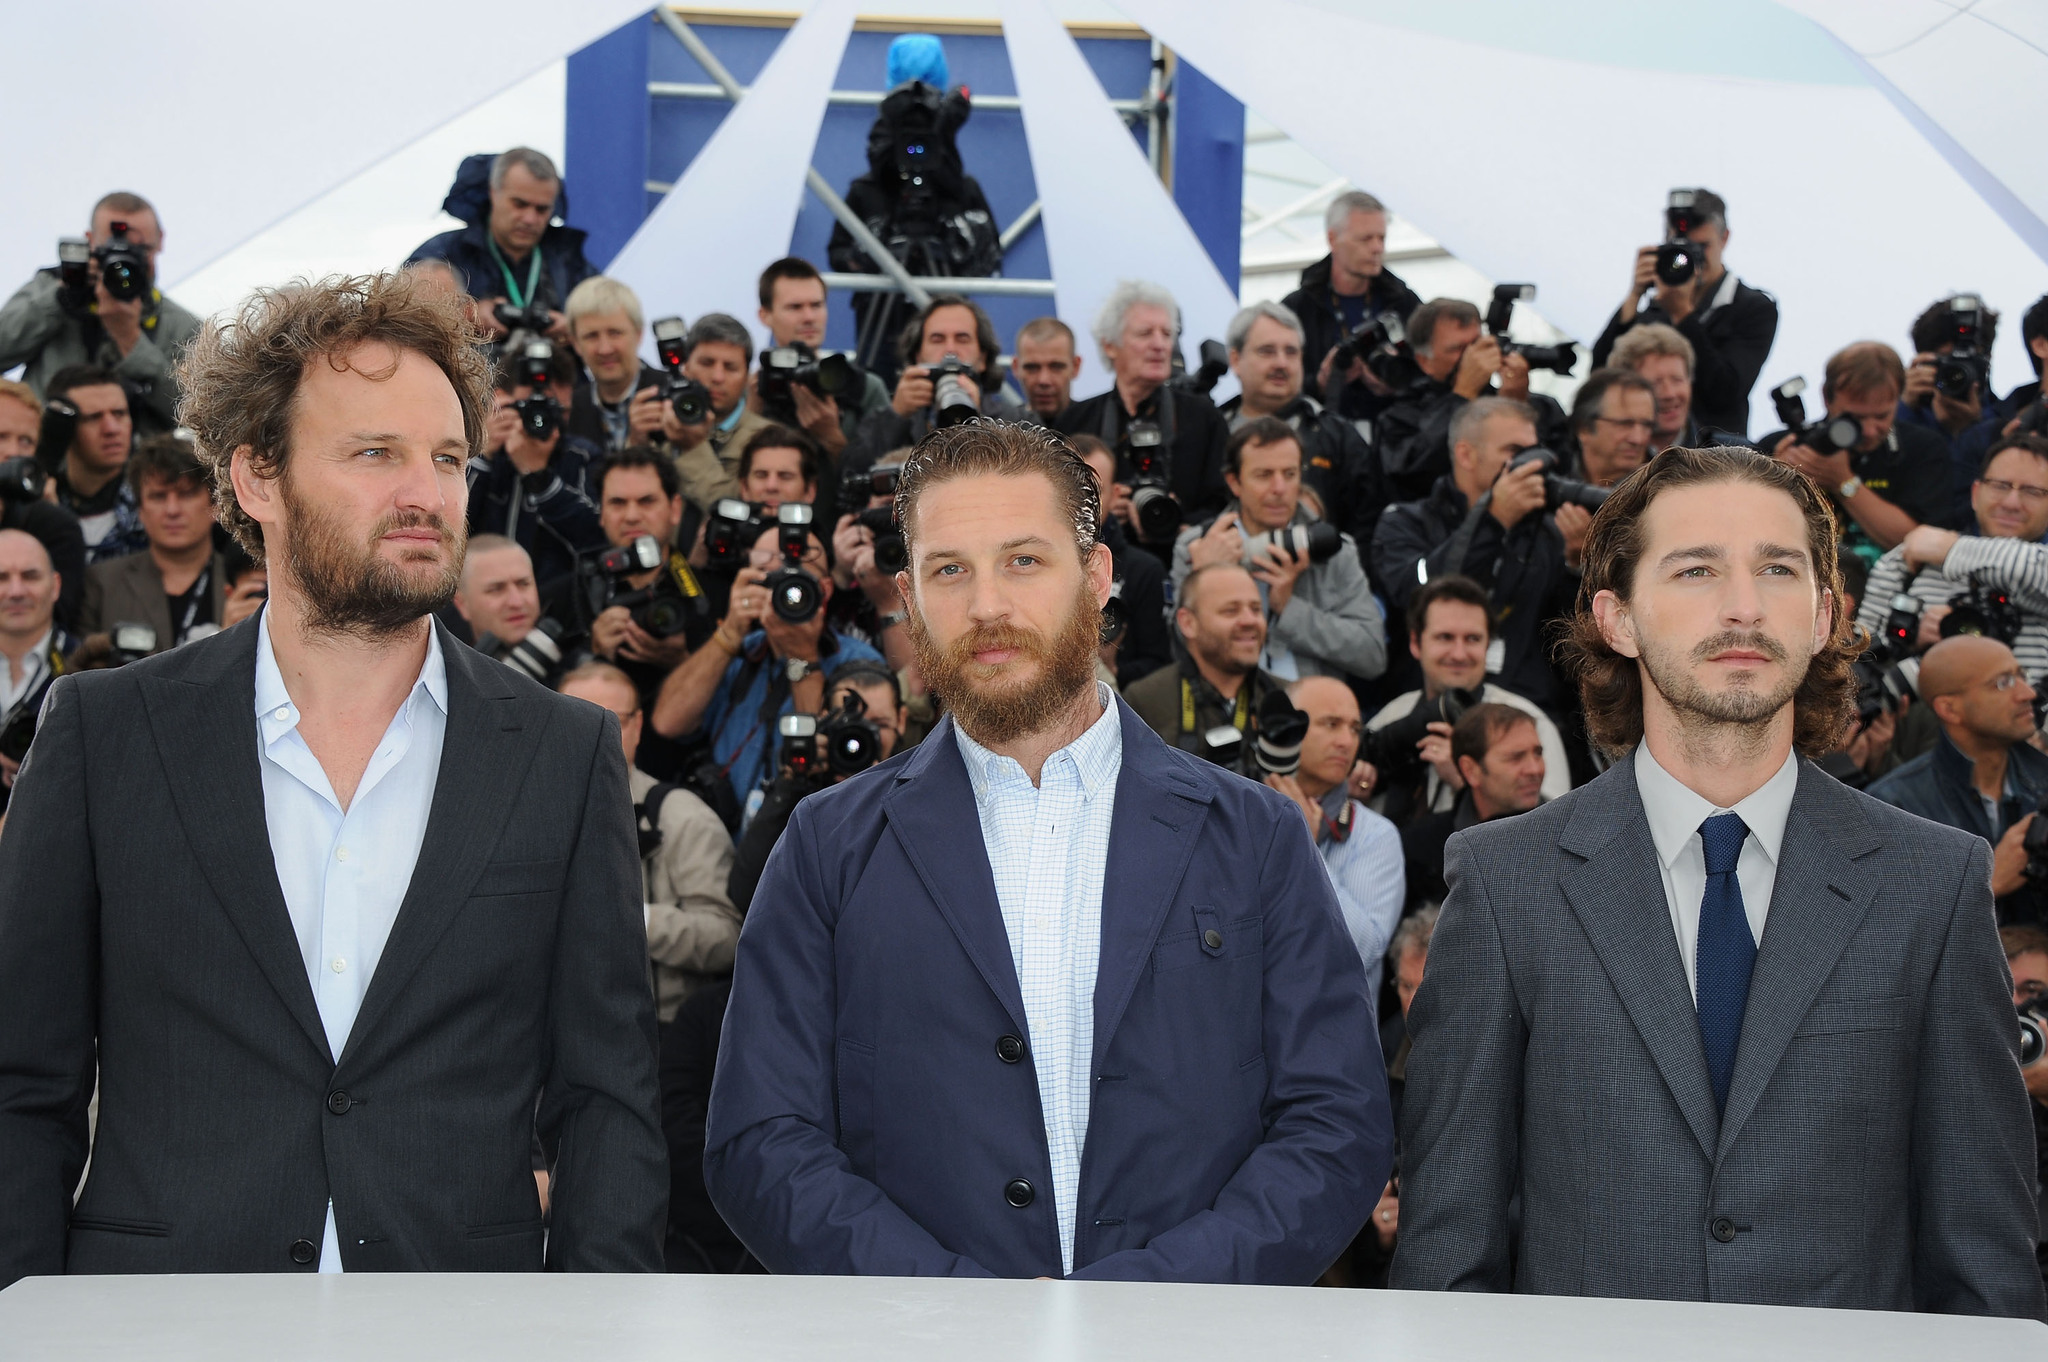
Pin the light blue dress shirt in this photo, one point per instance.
(345, 872)
(1371, 879)
(1048, 846)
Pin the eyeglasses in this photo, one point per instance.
(1999, 487)
(1631, 423)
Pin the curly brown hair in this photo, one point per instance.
(1611, 686)
(240, 377)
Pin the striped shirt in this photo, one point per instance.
(2020, 566)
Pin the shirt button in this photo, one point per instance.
(280, 714)
(338, 964)
(341, 853)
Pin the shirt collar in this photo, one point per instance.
(1675, 812)
(276, 715)
(733, 420)
(1097, 755)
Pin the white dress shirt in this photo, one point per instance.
(1371, 879)
(344, 873)
(33, 665)
(1675, 815)
(1048, 846)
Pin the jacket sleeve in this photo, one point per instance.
(1303, 1194)
(1888, 577)
(1461, 1110)
(1347, 632)
(49, 963)
(1725, 367)
(703, 476)
(600, 1108)
(772, 1161)
(1973, 1153)
(1405, 539)
(1604, 347)
(30, 321)
(150, 370)
(692, 924)
(2018, 565)
(567, 514)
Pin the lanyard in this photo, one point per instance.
(1187, 706)
(193, 595)
(517, 296)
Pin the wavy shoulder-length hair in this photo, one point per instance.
(1611, 686)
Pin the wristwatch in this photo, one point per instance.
(1850, 488)
(796, 669)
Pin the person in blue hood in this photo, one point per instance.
(517, 249)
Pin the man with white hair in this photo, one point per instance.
(1346, 289)
(512, 250)
(618, 399)
(1155, 429)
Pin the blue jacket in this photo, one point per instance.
(1939, 785)
(468, 249)
(871, 1105)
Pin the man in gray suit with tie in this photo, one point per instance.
(1716, 1027)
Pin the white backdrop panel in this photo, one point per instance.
(1107, 216)
(230, 114)
(734, 209)
(1554, 171)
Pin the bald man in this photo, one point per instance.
(32, 647)
(497, 595)
(1983, 775)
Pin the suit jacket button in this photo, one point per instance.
(1213, 939)
(1019, 1193)
(338, 1102)
(303, 1251)
(1010, 1049)
(1723, 1229)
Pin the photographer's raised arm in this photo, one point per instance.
(2020, 566)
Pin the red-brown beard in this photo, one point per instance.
(991, 704)
(348, 588)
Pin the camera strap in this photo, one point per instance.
(1114, 418)
(515, 295)
(1240, 717)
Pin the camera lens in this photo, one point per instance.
(1158, 513)
(1677, 262)
(793, 594)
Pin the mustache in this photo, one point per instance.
(412, 520)
(1735, 638)
(989, 637)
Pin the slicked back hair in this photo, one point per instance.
(240, 377)
(1611, 686)
(985, 448)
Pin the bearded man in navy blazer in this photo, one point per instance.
(1042, 997)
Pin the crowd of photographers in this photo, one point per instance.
(1344, 581)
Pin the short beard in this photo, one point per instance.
(348, 589)
(1738, 706)
(989, 707)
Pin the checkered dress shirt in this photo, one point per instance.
(1048, 847)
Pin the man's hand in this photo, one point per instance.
(1222, 542)
(527, 454)
(853, 549)
(643, 415)
(1517, 492)
(1279, 570)
(122, 321)
(1927, 546)
(1364, 778)
(913, 391)
(794, 640)
(1291, 787)
(1931, 617)
(1436, 751)
(1872, 740)
(246, 599)
(558, 328)
(1573, 521)
(1919, 380)
(1514, 376)
(1829, 470)
(1640, 282)
(1386, 1217)
(8, 770)
(637, 645)
(679, 435)
(487, 318)
(1476, 368)
(608, 631)
(1958, 414)
(2009, 859)
(819, 416)
(744, 608)
(500, 425)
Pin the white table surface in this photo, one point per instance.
(455, 1318)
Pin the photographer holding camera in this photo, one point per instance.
(867, 552)
(1983, 774)
(1939, 568)
(1498, 755)
(767, 657)
(515, 260)
(1141, 644)
(86, 480)
(33, 647)
(1729, 324)
(1346, 289)
(534, 484)
(1497, 518)
(793, 309)
(1948, 383)
(100, 307)
(1321, 617)
(1894, 477)
(952, 373)
(178, 584)
(1215, 680)
(1169, 440)
(618, 399)
(22, 503)
(717, 353)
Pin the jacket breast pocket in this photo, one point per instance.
(514, 879)
(1847, 1015)
(1213, 944)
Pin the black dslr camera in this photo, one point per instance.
(533, 317)
(844, 744)
(1558, 359)
(857, 487)
(124, 266)
(690, 399)
(1381, 339)
(1966, 366)
(952, 402)
(1393, 748)
(1680, 258)
(22, 477)
(539, 413)
(1144, 452)
(1278, 729)
(663, 607)
(793, 593)
(1829, 435)
(784, 367)
(1559, 490)
(1887, 673)
(731, 530)
(1317, 541)
(2034, 1011)
(1984, 609)
(1215, 364)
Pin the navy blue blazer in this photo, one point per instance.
(871, 1104)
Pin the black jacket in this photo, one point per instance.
(1729, 346)
(1523, 568)
(1147, 643)
(586, 419)
(142, 930)
(1412, 435)
(1937, 785)
(552, 513)
(1195, 433)
(1315, 303)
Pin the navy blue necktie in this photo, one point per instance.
(1725, 951)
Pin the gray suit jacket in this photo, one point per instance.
(1876, 1150)
(130, 590)
(142, 926)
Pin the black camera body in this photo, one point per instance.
(857, 487)
(689, 399)
(129, 642)
(1271, 748)
(952, 402)
(1984, 609)
(731, 530)
(1679, 259)
(793, 593)
(1145, 453)
(1317, 541)
(663, 607)
(2033, 1014)
(1558, 359)
(844, 743)
(21, 479)
(1393, 748)
(1829, 435)
(1966, 367)
(124, 266)
(538, 655)
(786, 367)
(1215, 364)
(533, 317)
(539, 413)
(1887, 674)
(1559, 490)
(1380, 338)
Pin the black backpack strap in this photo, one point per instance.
(648, 816)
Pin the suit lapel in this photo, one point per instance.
(1818, 899)
(203, 716)
(489, 743)
(1158, 819)
(932, 811)
(1617, 894)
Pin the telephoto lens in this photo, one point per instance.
(1282, 728)
(1319, 540)
(952, 404)
(2033, 1030)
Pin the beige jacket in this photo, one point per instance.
(692, 927)
(710, 469)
